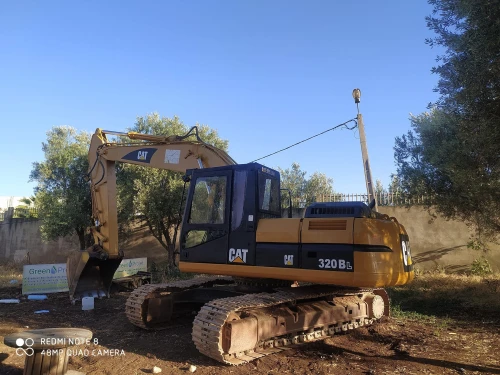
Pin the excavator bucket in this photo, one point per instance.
(90, 274)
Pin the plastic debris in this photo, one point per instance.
(37, 297)
(156, 370)
(41, 311)
(87, 303)
(13, 282)
(192, 368)
(9, 300)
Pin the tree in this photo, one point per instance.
(394, 185)
(379, 188)
(62, 192)
(27, 209)
(305, 190)
(318, 186)
(451, 153)
(294, 179)
(155, 195)
(380, 193)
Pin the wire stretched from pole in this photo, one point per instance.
(316, 135)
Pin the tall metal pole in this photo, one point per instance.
(364, 151)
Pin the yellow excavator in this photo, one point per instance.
(275, 281)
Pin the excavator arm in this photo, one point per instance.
(90, 272)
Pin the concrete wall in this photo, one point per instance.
(20, 238)
(438, 243)
(21, 241)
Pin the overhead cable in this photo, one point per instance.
(307, 139)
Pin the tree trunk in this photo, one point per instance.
(81, 237)
(170, 245)
(159, 232)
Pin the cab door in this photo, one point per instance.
(205, 229)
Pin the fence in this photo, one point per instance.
(25, 213)
(383, 199)
(19, 213)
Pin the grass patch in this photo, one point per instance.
(10, 271)
(398, 313)
(162, 272)
(440, 294)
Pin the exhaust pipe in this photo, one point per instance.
(90, 273)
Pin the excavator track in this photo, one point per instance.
(137, 307)
(217, 335)
(238, 329)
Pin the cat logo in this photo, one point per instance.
(142, 155)
(288, 260)
(238, 255)
(406, 250)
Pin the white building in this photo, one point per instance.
(6, 202)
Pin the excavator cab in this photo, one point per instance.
(223, 207)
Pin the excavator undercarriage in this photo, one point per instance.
(236, 324)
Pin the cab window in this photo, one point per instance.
(209, 201)
(269, 193)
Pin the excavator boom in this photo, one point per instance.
(90, 272)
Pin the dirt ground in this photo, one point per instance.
(409, 344)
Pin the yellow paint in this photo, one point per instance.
(328, 230)
(278, 230)
(371, 271)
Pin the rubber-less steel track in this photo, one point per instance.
(208, 326)
(136, 305)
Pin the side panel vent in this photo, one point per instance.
(327, 224)
(325, 211)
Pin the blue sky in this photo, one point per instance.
(265, 74)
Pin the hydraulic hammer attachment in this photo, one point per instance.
(90, 273)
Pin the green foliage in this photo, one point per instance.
(481, 267)
(475, 244)
(451, 153)
(293, 179)
(156, 194)
(398, 313)
(379, 188)
(469, 68)
(449, 295)
(27, 210)
(305, 190)
(62, 193)
(395, 185)
(29, 202)
(318, 185)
